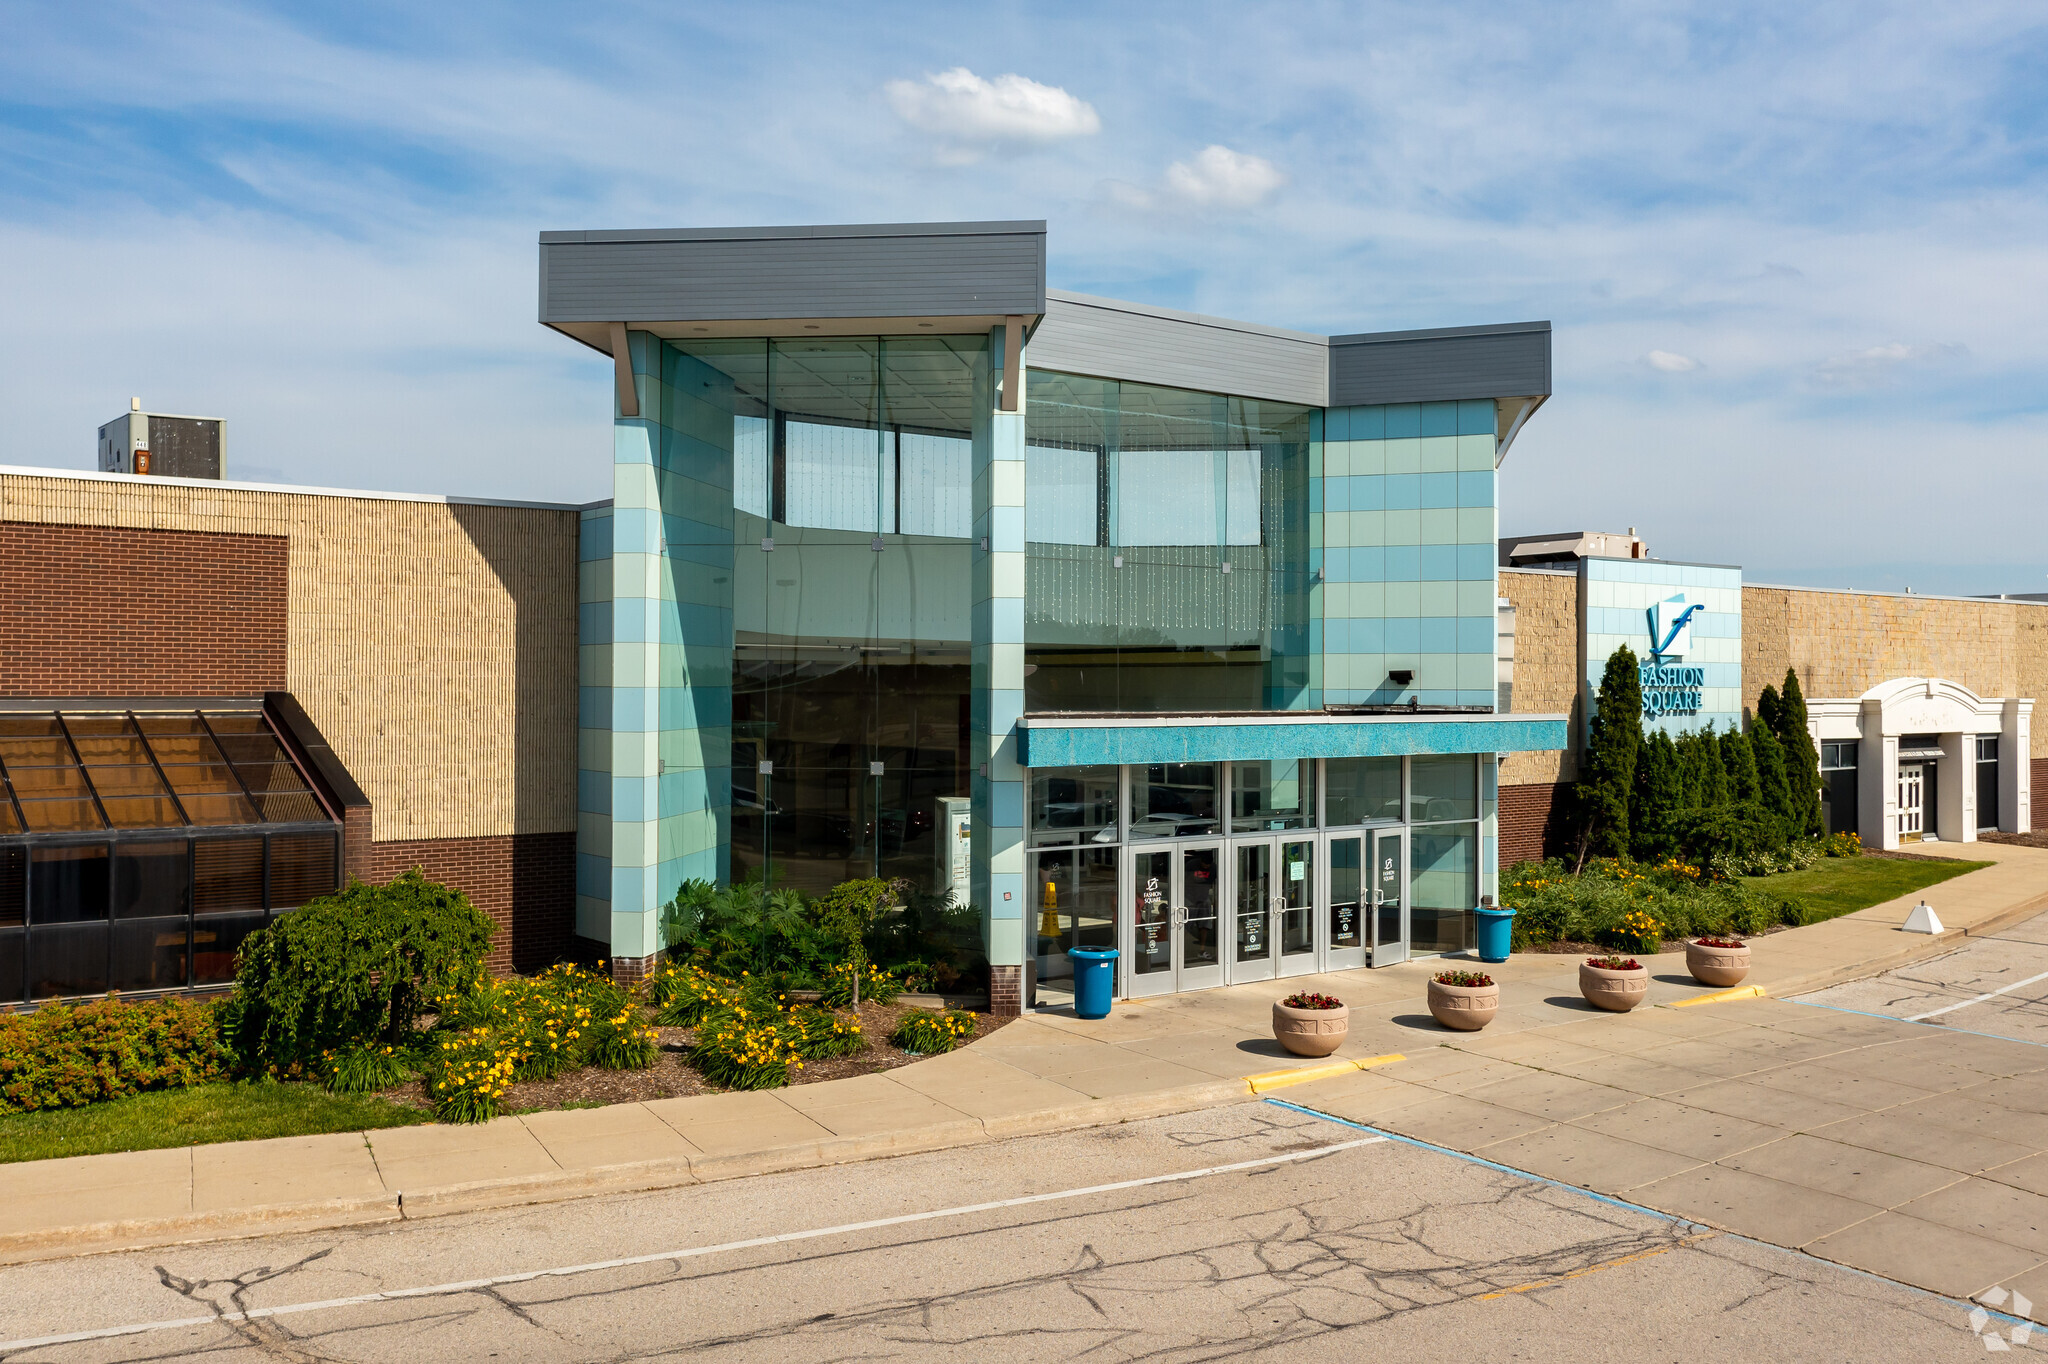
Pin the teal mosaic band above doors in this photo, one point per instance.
(1050, 742)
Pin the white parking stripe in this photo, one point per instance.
(691, 1252)
(1989, 994)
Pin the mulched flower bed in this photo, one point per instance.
(672, 1077)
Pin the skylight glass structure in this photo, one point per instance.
(139, 847)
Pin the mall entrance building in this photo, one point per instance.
(1183, 628)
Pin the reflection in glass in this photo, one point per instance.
(1347, 926)
(151, 880)
(215, 940)
(1279, 794)
(1073, 805)
(1076, 892)
(67, 884)
(1254, 892)
(149, 954)
(1443, 787)
(1297, 898)
(1152, 894)
(68, 959)
(1172, 799)
(1201, 903)
(1443, 888)
(1386, 891)
(1360, 790)
(1168, 542)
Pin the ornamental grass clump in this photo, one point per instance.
(745, 1049)
(821, 1034)
(366, 1068)
(930, 1032)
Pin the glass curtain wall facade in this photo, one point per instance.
(1168, 535)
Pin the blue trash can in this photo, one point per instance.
(1496, 932)
(1094, 980)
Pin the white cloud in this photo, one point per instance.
(971, 116)
(1671, 362)
(1223, 178)
(1214, 178)
(1881, 364)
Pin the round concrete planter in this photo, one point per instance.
(1464, 1008)
(1719, 966)
(1616, 990)
(1310, 1032)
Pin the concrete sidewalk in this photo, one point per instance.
(1537, 1078)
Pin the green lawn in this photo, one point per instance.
(196, 1116)
(1840, 885)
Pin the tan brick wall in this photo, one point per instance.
(433, 643)
(1845, 643)
(1546, 666)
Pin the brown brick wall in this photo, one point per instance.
(1006, 991)
(1546, 666)
(2037, 775)
(1531, 822)
(525, 882)
(112, 611)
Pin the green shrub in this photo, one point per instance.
(745, 1049)
(64, 1056)
(355, 968)
(928, 1032)
(876, 985)
(1844, 845)
(1739, 830)
(1669, 900)
(468, 1071)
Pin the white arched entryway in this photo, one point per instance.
(1924, 757)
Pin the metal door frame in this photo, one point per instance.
(1311, 961)
(1394, 953)
(1139, 985)
(1255, 968)
(1187, 977)
(1332, 957)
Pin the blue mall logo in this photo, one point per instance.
(1670, 688)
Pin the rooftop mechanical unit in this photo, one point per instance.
(163, 445)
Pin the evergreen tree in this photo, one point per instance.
(1714, 787)
(1740, 760)
(1659, 796)
(1607, 777)
(1802, 759)
(1767, 709)
(1773, 794)
(1691, 774)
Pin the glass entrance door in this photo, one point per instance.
(1198, 908)
(1150, 950)
(1345, 902)
(1295, 933)
(1251, 914)
(1389, 898)
(1912, 802)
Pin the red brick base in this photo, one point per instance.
(2037, 778)
(631, 971)
(525, 882)
(1006, 991)
(1532, 822)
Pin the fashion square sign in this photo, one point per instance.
(1669, 687)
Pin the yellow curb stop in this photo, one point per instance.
(1280, 1079)
(1739, 992)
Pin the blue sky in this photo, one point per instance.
(1794, 255)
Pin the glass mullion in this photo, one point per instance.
(150, 753)
(83, 775)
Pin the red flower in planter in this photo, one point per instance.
(1717, 942)
(1466, 979)
(1311, 1001)
(1615, 963)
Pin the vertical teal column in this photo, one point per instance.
(671, 640)
(998, 664)
(594, 725)
(1489, 826)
